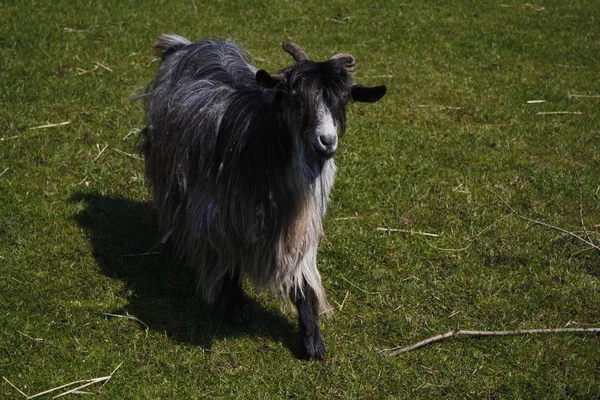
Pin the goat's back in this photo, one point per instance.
(221, 62)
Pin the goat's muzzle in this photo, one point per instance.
(325, 145)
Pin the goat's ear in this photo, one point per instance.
(368, 94)
(266, 80)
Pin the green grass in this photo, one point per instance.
(453, 133)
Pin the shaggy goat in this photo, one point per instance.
(241, 167)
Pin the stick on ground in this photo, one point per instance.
(535, 221)
(127, 154)
(131, 317)
(408, 231)
(86, 383)
(50, 125)
(399, 350)
(559, 112)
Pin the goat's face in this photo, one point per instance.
(314, 96)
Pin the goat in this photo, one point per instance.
(241, 166)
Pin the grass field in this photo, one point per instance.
(453, 146)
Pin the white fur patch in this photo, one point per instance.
(326, 127)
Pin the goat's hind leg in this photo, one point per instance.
(232, 301)
(311, 341)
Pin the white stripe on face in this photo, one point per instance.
(326, 127)
(324, 139)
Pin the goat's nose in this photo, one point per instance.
(325, 145)
(328, 140)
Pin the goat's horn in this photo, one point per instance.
(295, 51)
(348, 59)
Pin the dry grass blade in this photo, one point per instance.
(559, 113)
(11, 278)
(399, 350)
(408, 231)
(50, 125)
(81, 71)
(85, 382)
(73, 30)
(100, 151)
(16, 388)
(131, 132)
(78, 388)
(31, 337)
(587, 96)
(341, 306)
(128, 317)
(90, 382)
(112, 373)
(127, 154)
(523, 6)
(103, 66)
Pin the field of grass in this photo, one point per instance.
(83, 289)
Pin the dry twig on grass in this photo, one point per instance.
(399, 350)
(133, 131)
(10, 277)
(127, 154)
(535, 221)
(408, 231)
(50, 125)
(523, 6)
(103, 66)
(84, 384)
(100, 151)
(559, 112)
(588, 96)
(341, 306)
(73, 30)
(131, 317)
(39, 340)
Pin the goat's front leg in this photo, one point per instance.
(311, 341)
(232, 301)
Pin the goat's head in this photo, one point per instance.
(314, 96)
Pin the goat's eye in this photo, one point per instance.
(294, 94)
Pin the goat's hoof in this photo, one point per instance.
(313, 348)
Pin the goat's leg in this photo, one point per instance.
(311, 341)
(232, 301)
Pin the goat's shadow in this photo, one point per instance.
(160, 292)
